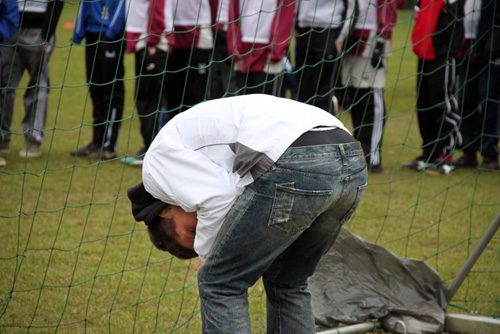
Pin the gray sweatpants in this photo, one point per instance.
(25, 50)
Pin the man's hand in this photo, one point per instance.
(378, 55)
(199, 264)
(338, 47)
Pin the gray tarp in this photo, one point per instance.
(357, 280)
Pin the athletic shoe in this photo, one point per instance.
(31, 150)
(133, 161)
(466, 161)
(4, 147)
(375, 169)
(3, 162)
(136, 160)
(490, 163)
(106, 154)
(439, 167)
(418, 164)
(86, 150)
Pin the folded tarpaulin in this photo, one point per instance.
(357, 280)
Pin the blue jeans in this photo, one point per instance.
(278, 229)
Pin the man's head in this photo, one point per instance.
(170, 228)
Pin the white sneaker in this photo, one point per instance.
(31, 150)
(3, 162)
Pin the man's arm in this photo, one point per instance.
(51, 18)
(9, 20)
(177, 175)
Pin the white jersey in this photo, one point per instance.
(203, 159)
(137, 15)
(31, 6)
(256, 20)
(137, 12)
(192, 12)
(327, 14)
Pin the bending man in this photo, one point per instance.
(257, 186)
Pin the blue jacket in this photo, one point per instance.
(9, 19)
(98, 16)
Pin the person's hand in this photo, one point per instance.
(275, 66)
(338, 46)
(149, 59)
(378, 55)
(240, 67)
(199, 264)
(152, 50)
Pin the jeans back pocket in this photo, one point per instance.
(294, 210)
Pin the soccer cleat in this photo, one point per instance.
(3, 162)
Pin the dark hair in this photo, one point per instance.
(163, 236)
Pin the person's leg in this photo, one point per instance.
(425, 113)
(12, 72)
(105, 73)
(186, 79)
(437, 108)
(149, 88)
(221, 67)
(259, 83)
(100, 104)
(317, 67)
(367, 111)
(36, 60)
(304, 60)
(490, 122)
(470, 100)
(197, 77)
(270, 215)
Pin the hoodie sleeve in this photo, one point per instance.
(80, 24)
(350, 15)
(387, 13)
(9, 19)
(51, 18)
(282, 28)
(156, 21)
(117, 24)
(178, 175)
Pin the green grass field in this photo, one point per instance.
(72, 260)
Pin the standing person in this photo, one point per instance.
(221, 64)
(255, 189)
(322, 29)
(9, 23)
(479, 94)
(148, 39)
(258, 38)
(364, 71)
(436, 40)
(186, 80)
(105, 71)
(29, 49)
